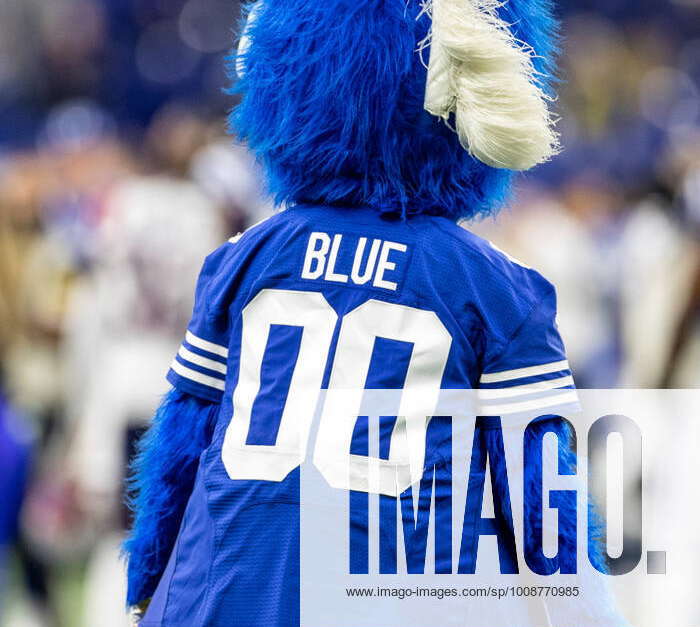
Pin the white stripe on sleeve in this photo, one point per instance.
(197, 377)
(521, 373)
(528, 388)
(216, 349)
(188, 355)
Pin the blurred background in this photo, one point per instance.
(116, 179)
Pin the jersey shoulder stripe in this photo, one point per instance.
(206, 345)
(521, 373)
(196, 376)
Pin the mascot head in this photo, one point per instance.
(405, 106)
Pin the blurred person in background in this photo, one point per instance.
(124, 319)
(52, 198)
(27, 340)
(682, 366)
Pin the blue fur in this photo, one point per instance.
(533, 22)
(596, 605)
(331, 103)
(569, 524)
(161, 480)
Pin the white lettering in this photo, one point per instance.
(316, 255)
(331, 274)
(361, 279)
(386, 265)
(323, 252)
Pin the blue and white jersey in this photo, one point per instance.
(332, 299)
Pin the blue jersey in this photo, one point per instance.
(319, 298)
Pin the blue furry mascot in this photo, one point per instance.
(380, 124)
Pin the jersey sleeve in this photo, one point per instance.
(201, 363)
(530, 374)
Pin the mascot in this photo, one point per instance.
(380, 124)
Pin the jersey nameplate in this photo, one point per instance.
(350, 259)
